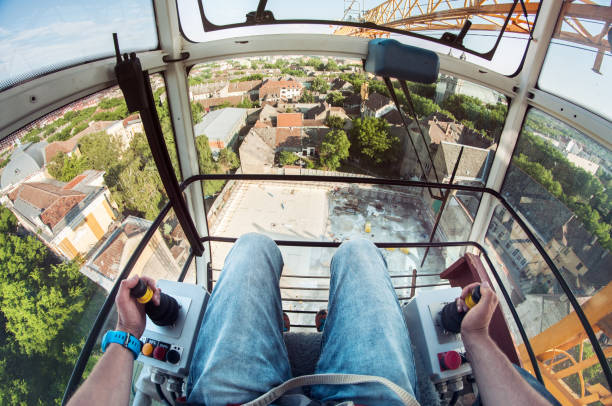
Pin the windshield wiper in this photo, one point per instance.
(261, 15)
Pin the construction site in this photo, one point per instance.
(327, 212)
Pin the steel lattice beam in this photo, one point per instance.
(581, 21)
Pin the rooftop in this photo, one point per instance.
(473, 165)
(26, 160)
(218, 125)
(377, 101)
(56, 203)
(289, 120)
(288, 137)
(52, 202)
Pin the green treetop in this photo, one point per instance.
(335, 148)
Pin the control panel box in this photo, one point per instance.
(170, 348)
(440, 350)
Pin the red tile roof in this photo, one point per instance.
(217, 101)
(133, 117)
(56, 147)
(74, 182)
(289, 120)
(274, 87)
(218, 144)
(54, 202)
(108, 261)
(244, 86)
(288, 137)
(314, 123)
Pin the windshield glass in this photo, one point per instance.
(578, 65)
(431, 25)
(52, 35)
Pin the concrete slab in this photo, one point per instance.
(326, 212)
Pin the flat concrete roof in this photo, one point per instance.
(218, 124)
(325, 212)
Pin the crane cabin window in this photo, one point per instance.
(79, 192)
(559, 181)
(318, 115)
(578, 65)
(53, 35)
(495, 34)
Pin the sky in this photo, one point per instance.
(38, 35)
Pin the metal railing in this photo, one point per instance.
(106, 307)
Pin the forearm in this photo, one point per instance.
(498, 381)
(110, 381)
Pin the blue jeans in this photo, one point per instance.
(240, 353)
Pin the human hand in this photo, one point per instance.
(131, 313)
(476, 321)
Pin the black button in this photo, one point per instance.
(173, 356)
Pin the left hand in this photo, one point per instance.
(131, 313)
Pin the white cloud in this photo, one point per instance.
(65, 43)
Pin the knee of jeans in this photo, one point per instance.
(258, 243)
(358, 250)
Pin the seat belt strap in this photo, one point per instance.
(331, 379)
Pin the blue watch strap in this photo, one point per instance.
(125, 339)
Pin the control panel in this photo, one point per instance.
(169, 348)
(442, 352)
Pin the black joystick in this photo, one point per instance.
(451, 318)
(163, 315)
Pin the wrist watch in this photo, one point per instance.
(125, 339)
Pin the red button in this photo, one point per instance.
(449, 360)
(159, 353)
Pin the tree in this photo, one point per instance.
(540, 174)
(41, 301)
(331, 66)
(228, 158)
(205, 159)
(245, 103)
(319, 85)
(287, 158)
(335, 148)
(196, 112)
(373, 139)
(335, 122)
(208, 166)
(101, 150)
(8, 221)
(307, 97)
(65, 168)
(335, 98)
(377, 86)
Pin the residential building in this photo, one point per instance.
(280, 89)
(221, 127)
(473, 166)
(319, 112)
(590, 167)
(204, 91)
(323, 110)
(341, 85)
(257, 150)
(377, 105)
(442, 128)
(289, 120)
(250, 88)
(157, 261)
(26, 161)
(71, 217)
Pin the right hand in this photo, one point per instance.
(131, 313)
(476, 321)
